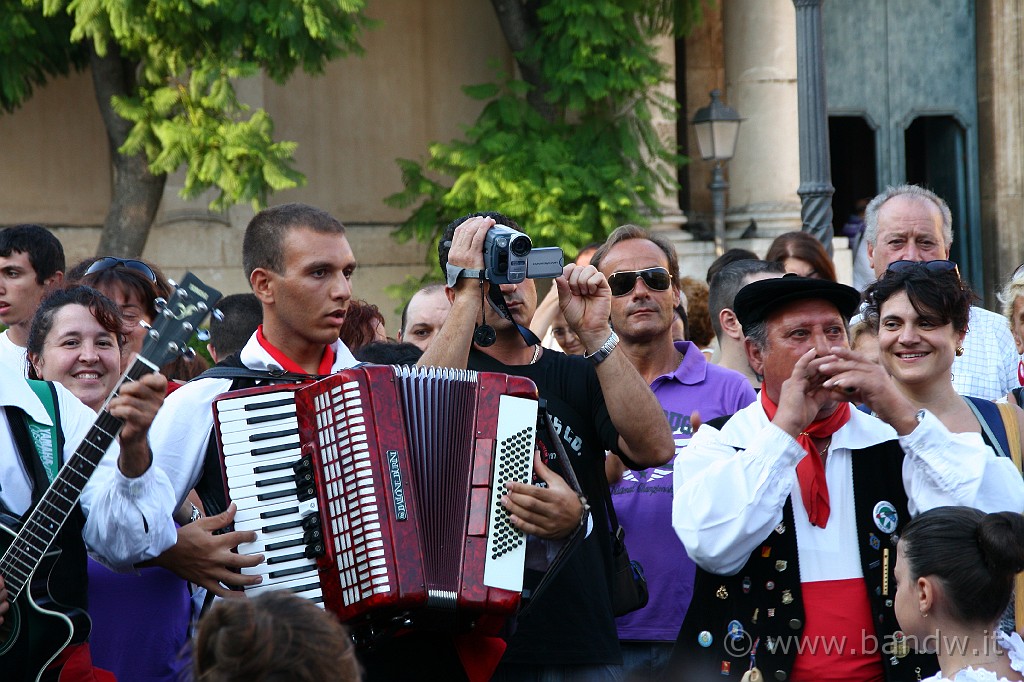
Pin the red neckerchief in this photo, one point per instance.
(810, 472)
(287, 364)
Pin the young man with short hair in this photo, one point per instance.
(31, 264)
(299, 264)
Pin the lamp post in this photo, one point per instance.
(717, 127)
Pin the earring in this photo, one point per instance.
(924, 614)
(959, 351)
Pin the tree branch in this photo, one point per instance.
(519, 27)
(137, 192)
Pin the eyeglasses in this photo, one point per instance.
(656, 279)
(109, 262)
(1019, 272)
(930, 265)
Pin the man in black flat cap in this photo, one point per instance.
(792, 507)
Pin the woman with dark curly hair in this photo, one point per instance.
(954, 576)
(802, 254)
(273, 637)
(920, 311)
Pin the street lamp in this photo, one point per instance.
(717, 127)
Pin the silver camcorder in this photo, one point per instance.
(509, 257)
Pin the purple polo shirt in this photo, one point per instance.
(643, 499)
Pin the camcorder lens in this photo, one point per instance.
(520, 246)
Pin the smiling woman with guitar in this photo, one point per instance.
(115, 504)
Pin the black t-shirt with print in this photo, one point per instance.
(571, 622)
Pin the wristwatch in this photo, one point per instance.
(599, 355)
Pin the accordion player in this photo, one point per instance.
(375, 493)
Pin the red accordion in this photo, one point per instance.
(375, 492)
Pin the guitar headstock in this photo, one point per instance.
(177, 320)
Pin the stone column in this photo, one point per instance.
(668, 202)
(816, 188)
(1000, 138)
(760, 83)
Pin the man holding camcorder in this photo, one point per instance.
(597, 402)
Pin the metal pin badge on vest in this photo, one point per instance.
(704, 639)
(780, 565)
(885, 516)
(722, 593)
(781, 528)
(874, 541)
(787, 597)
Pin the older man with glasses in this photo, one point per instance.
(913, 224)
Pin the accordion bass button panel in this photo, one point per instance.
(513, 461)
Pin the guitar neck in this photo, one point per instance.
(38, 532)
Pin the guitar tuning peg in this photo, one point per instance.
(189, 353)
(153, 334)
(218, 314)
(160, 303)
(174, 285)
(202, 307)
(203, 334)
(187, 327)
(183, 294)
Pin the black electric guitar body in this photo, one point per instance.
(36, 627)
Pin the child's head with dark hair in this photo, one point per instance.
(972, 555)
(389, 353)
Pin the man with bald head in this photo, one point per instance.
(423, 316)
(912, 223)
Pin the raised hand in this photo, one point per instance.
(586, 302)
(137, 403)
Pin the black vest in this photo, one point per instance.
(770, 615)
(69, 579)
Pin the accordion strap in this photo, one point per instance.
(228, 372)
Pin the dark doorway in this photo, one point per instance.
(936, 159)
(854, 175)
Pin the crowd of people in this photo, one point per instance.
(819, 483)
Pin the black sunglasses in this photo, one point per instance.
(930, 265)
(656, 279)
(109, 262)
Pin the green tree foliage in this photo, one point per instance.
(570, 151)
(164, 72)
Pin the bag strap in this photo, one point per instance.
(1013, 435)
(979, 407)
(47, 439)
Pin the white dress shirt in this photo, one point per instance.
(128, 520)
(727, 501)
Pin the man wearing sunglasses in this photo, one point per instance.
(793, 506)
(597, 402)
(643, 271)
(911, 223)
(31, 264)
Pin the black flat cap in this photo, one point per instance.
(756, 301)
